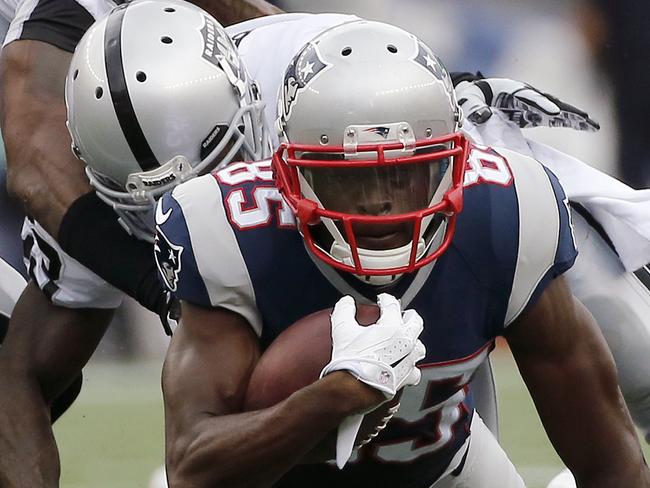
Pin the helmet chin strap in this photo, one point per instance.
(389, 258)
(377, 259)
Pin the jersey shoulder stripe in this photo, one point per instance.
(197, 253)
(546, 244)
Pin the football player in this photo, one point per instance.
(48, 30)
(375, 190)
(610, 219)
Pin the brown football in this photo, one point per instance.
(295, 359)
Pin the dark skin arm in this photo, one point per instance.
(571, 376)
(42, 172)
(230, 12)
(209, 441)
(38, 363)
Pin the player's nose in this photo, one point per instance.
(375, 208)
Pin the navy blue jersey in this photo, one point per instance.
(229, 240)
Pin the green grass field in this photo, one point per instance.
(112, 437)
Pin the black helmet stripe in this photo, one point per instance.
(119, 93)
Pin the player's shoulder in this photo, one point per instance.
(202, 249)
(238, 198)
(515, 228)
(179, 217)
(499, 179)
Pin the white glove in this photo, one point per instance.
(382, 355)
(525, 105)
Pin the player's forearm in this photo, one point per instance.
(272, 440)
(614, 457)
(571, 375)
(44, 192)
(28, 452)
(42, 172)
(230, 12)
(584, 414)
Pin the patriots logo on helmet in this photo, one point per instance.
(380, 131)
(168, 259)
(303, 69)
(430, 61)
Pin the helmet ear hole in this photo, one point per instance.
(166, 40)
(169, 10)
(75, 74)
(99, 92)
(391, 49)
(141, 76)
(346, 51)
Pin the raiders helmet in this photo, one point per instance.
(157, 94)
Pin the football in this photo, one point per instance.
(295, 359)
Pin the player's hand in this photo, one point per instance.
(382, 355)
(523, 104)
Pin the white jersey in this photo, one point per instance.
(268, 44)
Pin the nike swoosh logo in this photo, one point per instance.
(161, 217)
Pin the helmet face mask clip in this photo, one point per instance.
(175, 171)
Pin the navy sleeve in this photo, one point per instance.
(177, 266)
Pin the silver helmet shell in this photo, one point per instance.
(157, 94)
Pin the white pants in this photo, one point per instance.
(620, 303)
(486, 464)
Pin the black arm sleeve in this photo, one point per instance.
(61, 23)
(91, 234)
(458, 76)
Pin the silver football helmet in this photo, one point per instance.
(157, 94)
(372, 158)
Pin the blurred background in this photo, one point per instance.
(592, 54)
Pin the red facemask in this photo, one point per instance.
(380, 222)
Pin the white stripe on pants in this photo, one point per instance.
(486, 465)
